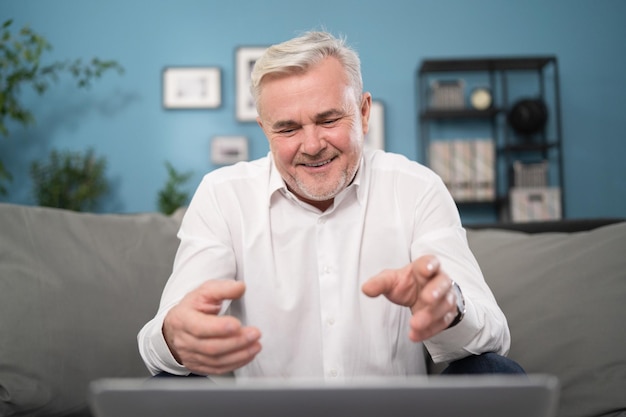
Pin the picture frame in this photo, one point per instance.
(192, 87)
(245, 57)
(226, 150)
(375, 137)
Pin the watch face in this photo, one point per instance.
(481, 98)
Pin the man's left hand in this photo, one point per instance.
(425, 289)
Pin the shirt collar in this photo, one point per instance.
(359, 179)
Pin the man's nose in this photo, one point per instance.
(313, 141)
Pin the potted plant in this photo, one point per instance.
(171, 197)
(70, 180)
(21, 65)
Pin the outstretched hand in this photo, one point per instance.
(204, 342)
(425, 289)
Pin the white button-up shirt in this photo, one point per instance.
(304, 269)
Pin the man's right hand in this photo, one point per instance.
(204, 342)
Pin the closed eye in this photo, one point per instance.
(329, 122)
(285, 128)
(286, 131)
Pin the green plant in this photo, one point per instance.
(21, 65)
(70, 180)
(171, 197)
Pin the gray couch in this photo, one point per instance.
(76, 288)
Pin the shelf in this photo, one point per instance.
(529, 147)
(431, 114)
(485, 64)
(541, 73)
(479, 203)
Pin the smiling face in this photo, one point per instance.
(315, 127)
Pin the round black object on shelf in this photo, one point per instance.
(528, 115)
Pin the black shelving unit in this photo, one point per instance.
(506, 78)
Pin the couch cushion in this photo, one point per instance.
(564, 297)
(74, 291)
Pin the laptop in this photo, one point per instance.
(427, 396)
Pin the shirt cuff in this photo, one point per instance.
(161, 358)
(455, 343)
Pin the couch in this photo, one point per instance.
(76, 288)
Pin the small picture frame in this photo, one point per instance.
(192, 88)
(245, 57)
(227, 150)
(375, 137)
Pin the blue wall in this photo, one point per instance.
(122, 117)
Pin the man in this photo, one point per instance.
(321, 259)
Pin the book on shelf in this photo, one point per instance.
(447, 94)
(467, 167)
(485, 173)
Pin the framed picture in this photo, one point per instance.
(375, 137)
(229, 149)
(192, 87)
(245, 58)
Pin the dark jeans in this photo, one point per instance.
(487, 363)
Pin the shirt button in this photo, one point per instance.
(321, 220)
(330, 321)
(333, 373)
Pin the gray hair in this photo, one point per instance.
(299, 54)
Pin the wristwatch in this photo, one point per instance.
(460, 305)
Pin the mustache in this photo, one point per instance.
(304, 159)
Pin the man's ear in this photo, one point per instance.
(366, 106)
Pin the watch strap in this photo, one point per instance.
(460, 305)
